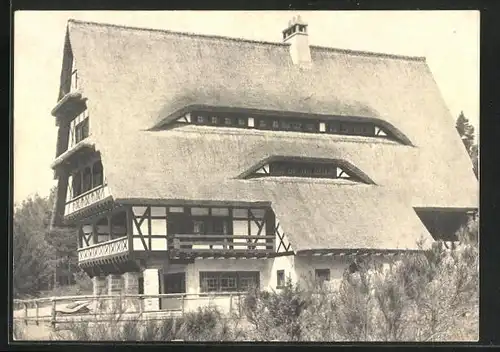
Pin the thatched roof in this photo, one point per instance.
(134, 79)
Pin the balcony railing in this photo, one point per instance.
(217, 244)
(86, 199)
(104, 249)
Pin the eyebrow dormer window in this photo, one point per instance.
(354, 126)
(309, 168)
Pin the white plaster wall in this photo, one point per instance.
(286, 263)
(305, 268)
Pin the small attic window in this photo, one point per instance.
(305, 168)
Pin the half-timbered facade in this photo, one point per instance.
(193, 163)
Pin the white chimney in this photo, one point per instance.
(296, 35)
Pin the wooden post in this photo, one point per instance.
(25, 313)
(230, 303)
(141, 305)
(182, 303)
(36, 312)
(53, 322)
(110, 233)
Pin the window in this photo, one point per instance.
(280, 278)
(76, 183)
(347, 126)
(310, 127)
(220, 212)
(87, 179)
(82, 130)
(322, 275)
(240, 213)
(199, 226)
(296, 126)
(176, 210)
(313, 169)
(97, 174)
(199, 211)
(141, 285)
(228, 281)
(333, 127)
(242, 121)
(247, 282)
(353, 267)
(209, 283)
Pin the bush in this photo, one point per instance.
(276, 315)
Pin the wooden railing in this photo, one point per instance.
(209, 243)
(116, 246)
(87, 198)
(105, 308)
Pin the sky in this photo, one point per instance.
(448, 39)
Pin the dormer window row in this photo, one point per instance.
(289, 124)
(311, 169)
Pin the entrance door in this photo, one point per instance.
(173, 283)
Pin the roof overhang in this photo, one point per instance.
(189, 202)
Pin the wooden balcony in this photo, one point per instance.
(86, 199)
(103, 250)
(220, 246)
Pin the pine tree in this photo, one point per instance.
(466, 132)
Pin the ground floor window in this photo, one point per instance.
(280, 278)
(228, 281)
(322, 275)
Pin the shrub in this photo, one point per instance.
(276, 314)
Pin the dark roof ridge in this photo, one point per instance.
(369, 53)
(167, 31)
(235, 39)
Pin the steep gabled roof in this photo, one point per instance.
(135, 78)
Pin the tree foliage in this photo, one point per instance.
(466, 132)
(32, 266)
(38, 250)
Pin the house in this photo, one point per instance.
(196, 163)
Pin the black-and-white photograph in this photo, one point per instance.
(262, 176)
